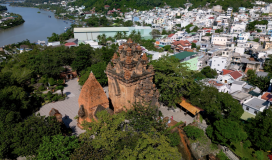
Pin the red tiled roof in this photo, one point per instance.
(182, 43)
(267, 96)
(235, 74)
(194, 41)
(225, 71)
(215, 83)
(170, 35)
(208, 31)
(70, 44)
(211, 18)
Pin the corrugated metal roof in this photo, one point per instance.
(183, 55)
(99, 29)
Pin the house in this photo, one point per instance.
(237, 86)
(255, 105)
(24, 48)
(181, 45)
(172, 37)
(218, 63)
(57, 43)
(241, 96)
(70, 44)
(218, 39)
(220, 86)
(267, 97)
(190, 58)
(230, 77)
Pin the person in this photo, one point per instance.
(172, 118)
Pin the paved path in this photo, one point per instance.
(68, 106)
(177, 116)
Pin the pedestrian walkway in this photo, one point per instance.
(177, 116)
(67, 107)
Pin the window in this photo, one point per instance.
(218, 64)
(255, 112)
(247, 108)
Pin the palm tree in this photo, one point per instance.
(103, 39)
(124, 35)
(99, 38)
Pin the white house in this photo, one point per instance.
(255, 105)
(218, 63)
(243, 37)
(219, 40)
(238, 28)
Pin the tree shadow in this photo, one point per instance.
(67, 120)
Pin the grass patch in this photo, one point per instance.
(247, 153)
(221, 155)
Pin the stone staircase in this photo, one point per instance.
(229, 153)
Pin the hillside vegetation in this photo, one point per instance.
(124, 5)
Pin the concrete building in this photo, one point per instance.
(91, 33)
(255, 105)
(218, 63)
(190, 58)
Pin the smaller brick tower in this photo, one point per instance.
(129, 78)
(92, 99)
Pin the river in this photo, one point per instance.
(37, 26)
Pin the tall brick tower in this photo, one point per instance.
(129, 78)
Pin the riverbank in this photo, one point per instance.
(37, 26)
(10, 20)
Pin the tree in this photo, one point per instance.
(145, 117)
(193, 132)
(259, 130)
(167, 47)
(171, 78)
(82, 60)
(57, 147)
(155, 33)
(27, 135)
(54, 37)
(226, 131)
(208, 72)
(107, 131)
(193, 45)
(87, 151)
(151, 145)
(98, 71)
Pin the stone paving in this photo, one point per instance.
(178, 115)
(67, 107)
(70, 107)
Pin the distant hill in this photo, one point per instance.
(149, 4)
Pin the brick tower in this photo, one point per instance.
(129, 79)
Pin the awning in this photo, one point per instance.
(193, 109)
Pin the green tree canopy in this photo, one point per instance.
(57, 147)
(226, 131)
(171, 78)
(27, 135)
(208, 72)
(259, 130)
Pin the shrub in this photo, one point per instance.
(260, 155)
(32, 80)
(51, 81)
(221, 155)
(55, 98)
(246, 144)
(174, 139)
(41, 88)
(193, 132)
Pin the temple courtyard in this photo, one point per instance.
(70, 107)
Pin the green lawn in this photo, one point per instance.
(245, 153)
